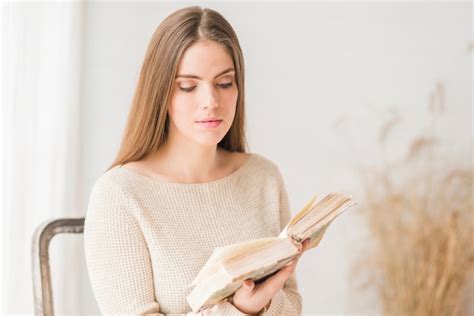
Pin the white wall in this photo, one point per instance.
(321, 78)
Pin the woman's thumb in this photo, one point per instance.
(249, 284)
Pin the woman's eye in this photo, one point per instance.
(225, 85)
(222, 85)
(187, 89)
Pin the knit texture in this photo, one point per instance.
(146, 239)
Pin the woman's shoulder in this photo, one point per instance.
(264, 163)
(112, 183)
(253, 162)
(263, 169)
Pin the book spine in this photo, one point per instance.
(297, 242)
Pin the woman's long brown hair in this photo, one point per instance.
(147, 123)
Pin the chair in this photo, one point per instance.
(42, 288)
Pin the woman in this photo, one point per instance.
(183, 184)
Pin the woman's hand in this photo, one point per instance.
(251, 298)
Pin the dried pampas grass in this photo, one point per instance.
(420, 217)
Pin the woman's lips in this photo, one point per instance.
(210, 124)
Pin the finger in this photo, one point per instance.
(293, 262)
(290, 268)
(277, 281)
(247, 286)
(245, 292)
(306, 244)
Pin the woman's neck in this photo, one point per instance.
(189, 164)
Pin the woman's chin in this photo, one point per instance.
(208, 141)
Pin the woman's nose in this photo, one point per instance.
(210, 99)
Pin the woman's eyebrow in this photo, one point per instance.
(196, 77)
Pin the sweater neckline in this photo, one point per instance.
(228, 177)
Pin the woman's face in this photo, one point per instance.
(204, 89)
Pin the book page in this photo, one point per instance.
(281, 248)
(224, 254)
(301, 213)
(227, 278)
(316, 230)
(315, 213)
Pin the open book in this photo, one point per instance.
(229, 266)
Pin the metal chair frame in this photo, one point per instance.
(42, 287)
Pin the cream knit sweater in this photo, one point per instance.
(146, 239)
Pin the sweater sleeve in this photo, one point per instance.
(117, 257)
(286, 301)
